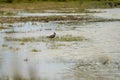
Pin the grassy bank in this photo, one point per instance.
(38, 6)
(12, 1)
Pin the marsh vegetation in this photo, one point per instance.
(65, 38)
(86, 45)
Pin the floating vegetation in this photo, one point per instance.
(4, 45)
(22, 43)
(11, 31)
(67, 38)
(23, 39)
(35, 50)
(10, 25)
(1, 27)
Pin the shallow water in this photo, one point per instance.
(112, 13)
(96, 58)
(48, 14)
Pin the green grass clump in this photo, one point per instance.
(10, 32)
(35, 50)
(4, 45)
(27, 39)
(22, 39)
(1, 27)
(22, 43)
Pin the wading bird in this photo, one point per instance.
(52, 36)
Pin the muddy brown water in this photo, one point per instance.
(94, 59)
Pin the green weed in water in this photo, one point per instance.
(35, 50)
(1, 27)
(67, 38)
(22, 43)
(4, 45)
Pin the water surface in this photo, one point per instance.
(96, 58)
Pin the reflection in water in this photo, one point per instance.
(52, 44)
